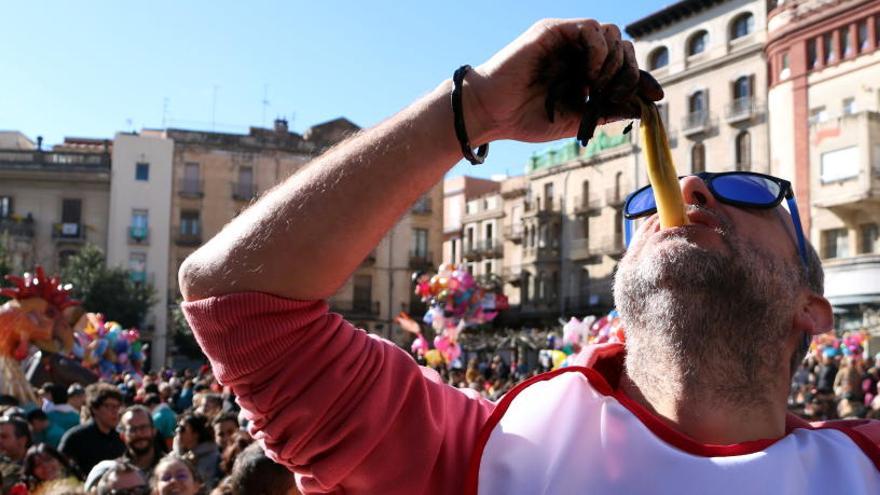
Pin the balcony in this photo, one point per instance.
(17, 228)
(422, 207)
(471, 251)
(243, 191)
(741, 110)
(580, 249)
(188, 237)
(587, 205)
(419, 260)
(545, 254)
(841, 157)
(138, 277)
(696, 123)
(492, 248)
(68, 232)
(616, 196)
(356, 308)
(138, 234)
(546, 208)
(611, 245)
(514, 233)
(190, 188)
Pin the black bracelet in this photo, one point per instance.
(458, 119)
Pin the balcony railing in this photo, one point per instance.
(514, 232)
(191, 188)
(139, 234)
(471, 251)
(20, 229)
(741, 109)
(243, 191)
(492, 248)
(420, 260)
(187, 237)
(53, 160)
(695, 123)
(422, 207)
(587, 205)
(68, 232)
(615, 196)
(356, 307)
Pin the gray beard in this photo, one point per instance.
(703, 324)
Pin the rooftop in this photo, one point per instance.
(668, 16)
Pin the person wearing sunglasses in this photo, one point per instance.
(717, 315)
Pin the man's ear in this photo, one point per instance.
(815, 316)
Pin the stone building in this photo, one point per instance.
(53, 202)
(824, 100)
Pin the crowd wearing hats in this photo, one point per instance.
(158, 433)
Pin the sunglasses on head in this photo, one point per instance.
(741, 189)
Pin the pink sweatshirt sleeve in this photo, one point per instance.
(350, 412)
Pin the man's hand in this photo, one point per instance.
(550, 70)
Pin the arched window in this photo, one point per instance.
(742, 25)
(742, 88)
(618, 185)
(697, 43)
(698, 158)
(697, 102)
(743, 151)
(658, 58)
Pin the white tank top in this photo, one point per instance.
(568, 432)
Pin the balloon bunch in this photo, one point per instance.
(828, 344)
(455, 301)
(579, 333)
(106, 347)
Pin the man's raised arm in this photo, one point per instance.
(305, 237)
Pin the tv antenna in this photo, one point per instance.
(265, 102)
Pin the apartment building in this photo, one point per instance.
(52, 201)
(824, 98)
(138, 236)
(709, 57)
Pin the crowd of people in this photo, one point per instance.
(836, 386)
(164, 433)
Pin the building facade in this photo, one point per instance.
(138, 236)
(824, 99)
(53, 202)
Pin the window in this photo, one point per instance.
(139, 225)
(698, 158)
(142, 171)
(846, 48)
(190, 225)
(849, 106)
(191, 181)
(818, 115)
(697, 43)
(453, 247)
(489, 233)
(742, 88)
(548, 195)
(828, 45)
(469, 239)
(5, 206)
(663, 110)
(585, 193)
(697, 102)
(586, 227)
(137, 267)
(420, 243)
(659, 58)
(363, 292)
(743, 151)
(784, 67)
(487, 267)
(835, 243)
(71, 211)
(839, 165)
(742, 26)
(862, 35)
(869, 235)
(812, 54)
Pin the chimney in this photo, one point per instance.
(39, 143)
(281, 125)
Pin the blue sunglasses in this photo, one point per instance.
(742, 189)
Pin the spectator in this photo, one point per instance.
(195, 441)
(123, 478)
(94, 476)
(62, 415)
(44, 464)
(164, 418)
(827, 374)
(15, 438)
(40, 425)
(139, 436)
(211, 406)
(239, 441)
(225, 426)
(76, 397)
(255, 474)
(185, 400)
(97, 439)
(175, 475)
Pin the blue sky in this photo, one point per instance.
(96, 67)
